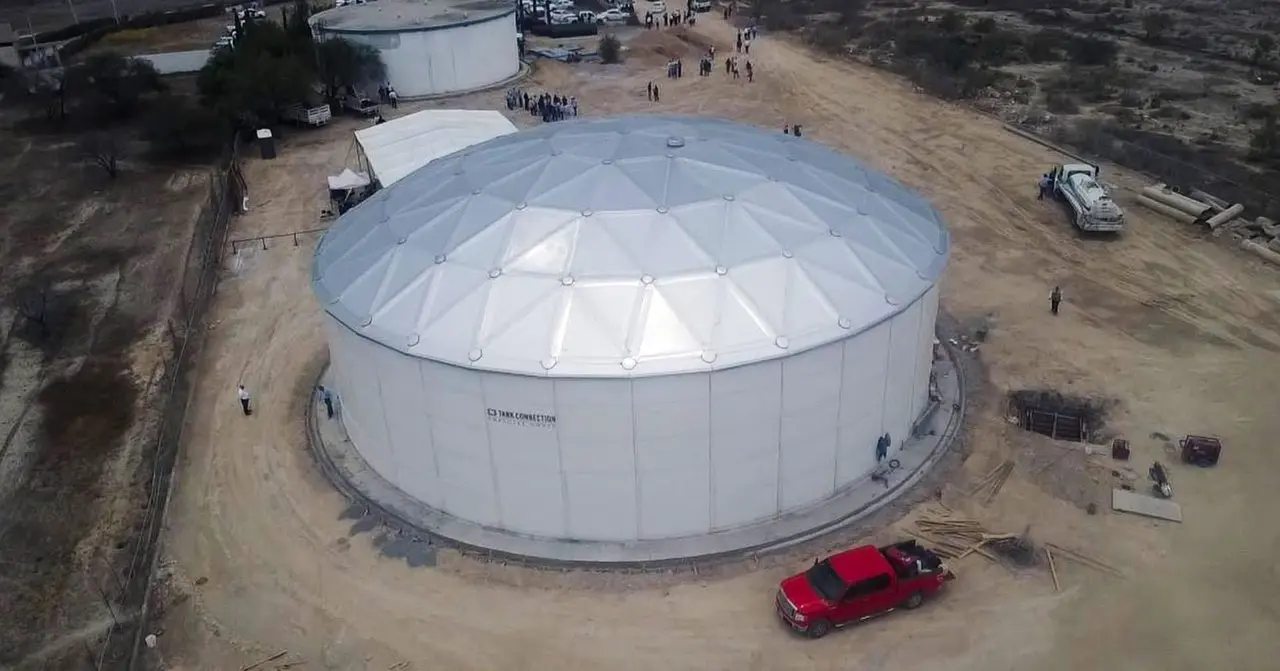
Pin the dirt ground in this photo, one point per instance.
(100, 263)
(1183, 333)
(176, 37)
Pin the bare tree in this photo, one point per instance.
(104, 150)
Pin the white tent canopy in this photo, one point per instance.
(348, 179)
(399, 147)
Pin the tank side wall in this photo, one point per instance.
(454, 399)
(810, 425)
(672, 436)
(421, 63)
(862, 402)
(746, 408)
(924, 352)
(408, 424)
(362, 398)
(597, 451)
(523, 433)
(900, 377)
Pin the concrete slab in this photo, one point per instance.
(1148, 506)
(347, 470)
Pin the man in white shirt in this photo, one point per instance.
(243, 394)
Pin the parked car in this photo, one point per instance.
(657, 7)
(613, 15)
(860, 584)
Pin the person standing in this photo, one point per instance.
(649, 90)
(326, 397)
(243, 395)
(395, 97)
(655, 93)
(1046, 183)
(1055, 299)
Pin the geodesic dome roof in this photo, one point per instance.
(629, 246)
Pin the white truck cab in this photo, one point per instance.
(1093, 210)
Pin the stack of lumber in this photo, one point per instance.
(956, 538)
(989, 485)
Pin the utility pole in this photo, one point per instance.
(115, 11)
(74, 18)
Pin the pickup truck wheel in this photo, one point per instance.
(914, 601)
(819, 629)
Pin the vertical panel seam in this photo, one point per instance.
(431, 425)
(493, 464)
(635, 463)
(711, 455)
(564, 476)
(835, 470)
(782, 413)
(888, 363)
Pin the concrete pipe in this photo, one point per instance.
(1261, 252)
(1191, 206)
(1166, 210)
(1225, 216)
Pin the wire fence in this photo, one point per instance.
(127, 592)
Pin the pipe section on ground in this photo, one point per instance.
(1261, 252)
(1191, 206)
(1225, 216)
(1166, 210)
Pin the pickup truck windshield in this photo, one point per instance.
(824, 580)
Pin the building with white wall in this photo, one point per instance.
(634, 328)
(432, 48)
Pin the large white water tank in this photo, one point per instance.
(635, 328)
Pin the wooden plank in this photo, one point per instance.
(1048, 554)
(1148, 506)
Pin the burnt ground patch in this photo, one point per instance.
(85, 415)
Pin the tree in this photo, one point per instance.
(1262, 49)
(268, 70)
(104, 150)
(610, 49)
(113, 86)
(33, 303)
(38, 91)
(1156, 24)
(177, 128)
(343, 63)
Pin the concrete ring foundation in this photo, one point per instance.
(346, 469)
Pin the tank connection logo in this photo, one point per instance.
(532, 420)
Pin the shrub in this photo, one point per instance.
(176, 128)
(1046, 45)
(1092, 51)
(1061, 103)
(1130, 99)
(610, 49)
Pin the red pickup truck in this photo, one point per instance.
(860, 584)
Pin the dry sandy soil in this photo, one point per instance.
(77, 410)
(1182, 333)
(175, 37)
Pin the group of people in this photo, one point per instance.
(675, 68)
(731, 68)
(745, 36)
(791, 129)
(387, 95)
(669, 19)
(547, 106)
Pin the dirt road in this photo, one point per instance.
(1179, 329)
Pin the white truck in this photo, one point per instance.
(1092, 209)
(308, 116)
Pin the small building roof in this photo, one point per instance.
(396, 16)
(399, 147)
